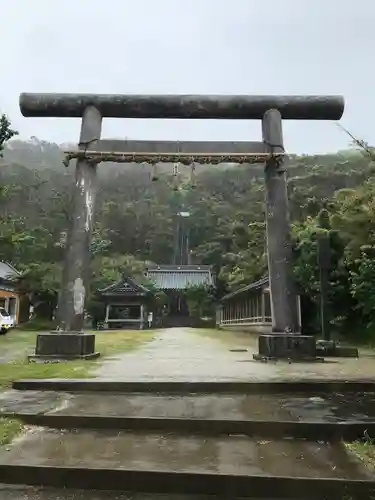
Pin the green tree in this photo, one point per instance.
(363, 287)
(201, 301)
(6, 132)
(135, 220)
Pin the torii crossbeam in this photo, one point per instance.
(185, 152)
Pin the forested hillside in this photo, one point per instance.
(135, 221)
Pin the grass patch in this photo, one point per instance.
(17, 343)
(107, 343)
(9, 429)
(364, 451)
(17, 338)
(9, 372)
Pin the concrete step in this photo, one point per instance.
(196, 406)
(311, 386)
(9, 492)
(236, 465)
(312, 431)
(348, 407)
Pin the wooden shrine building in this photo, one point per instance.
(249, 308)
(127, 303)
(173, 280)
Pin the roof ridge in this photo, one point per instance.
(11, 267)
(253, 284)
(122, 281)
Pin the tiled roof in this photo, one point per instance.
(263, 283)
(256, 285)
(180, 277)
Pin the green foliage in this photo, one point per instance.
(200, 301)
(38, 324)
(109, 269)
(362, 287)
(135, 224)
(350, 224)
(6, 132)
(10, 428)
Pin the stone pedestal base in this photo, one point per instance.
(287, 347)
(64, 346)
(331, 348)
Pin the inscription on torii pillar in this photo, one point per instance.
(70, 342)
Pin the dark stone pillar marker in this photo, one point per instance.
(69, 341)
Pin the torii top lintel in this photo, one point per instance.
(240, 107)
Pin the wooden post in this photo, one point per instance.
(263, 308)
(75, 280)
(283, 296)
(141, 316)
(107, 314)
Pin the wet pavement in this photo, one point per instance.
(207, 406)
(327, 408)
(182, 354)
(332, 408)
(185, 354)
(298, 407)
(30, 401)
(28, 493)
(160, 452)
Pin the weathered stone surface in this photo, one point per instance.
(76, 270)
(65, 345)
(279, 245)
(243, 107)
(239, 455)
(330, 348)
(283, 346)
(8, 492)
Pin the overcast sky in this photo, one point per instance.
(192, 47)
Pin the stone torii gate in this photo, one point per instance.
(69, 341)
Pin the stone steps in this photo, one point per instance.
(171, 443)
(313, 431)
(34, 493)
(307, 387)
(171, 463)
(234, 455)
(11, 492)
